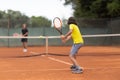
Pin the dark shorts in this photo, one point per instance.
(24, 40)
(75, 48)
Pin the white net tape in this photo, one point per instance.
(43, 37)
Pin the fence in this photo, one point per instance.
(87, 26)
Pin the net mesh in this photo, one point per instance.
(94, 37)
(52, 44)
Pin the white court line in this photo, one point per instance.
(63, 69)
(38, 70)
(34, 53)
(64, 62)
(54, 59)
(61, 61)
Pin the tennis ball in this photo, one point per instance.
(40, 36)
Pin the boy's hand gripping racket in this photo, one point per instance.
(58, 24)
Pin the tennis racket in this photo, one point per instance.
(58, 24)
(16, 35)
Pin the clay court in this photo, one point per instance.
(99, 63)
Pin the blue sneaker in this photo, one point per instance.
(78, 71)
(73, 67)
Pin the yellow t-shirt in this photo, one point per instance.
(76, 34)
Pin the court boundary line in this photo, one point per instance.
(64, 62)
(37, 70)
(58, 60)
(63, 69)
(51, 58)
(67, 63)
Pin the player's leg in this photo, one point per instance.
(75, 67)
(24, 41)
(25, 46)
(73, 59)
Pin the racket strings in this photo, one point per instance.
(57, 23)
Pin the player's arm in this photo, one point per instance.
(69, 33)
(66, 39)
(67, 36)
(26, 34)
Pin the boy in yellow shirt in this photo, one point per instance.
(78, 42)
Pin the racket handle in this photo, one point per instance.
(59, 31)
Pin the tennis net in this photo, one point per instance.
(52, 44)
(98, 39)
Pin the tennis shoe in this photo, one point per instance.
(73, 67)
(24, 50)
(77, 71)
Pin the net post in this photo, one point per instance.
(46, 50)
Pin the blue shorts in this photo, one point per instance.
(75, 48)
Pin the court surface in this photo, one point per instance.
(99, 63)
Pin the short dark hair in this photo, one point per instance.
(72, 20)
